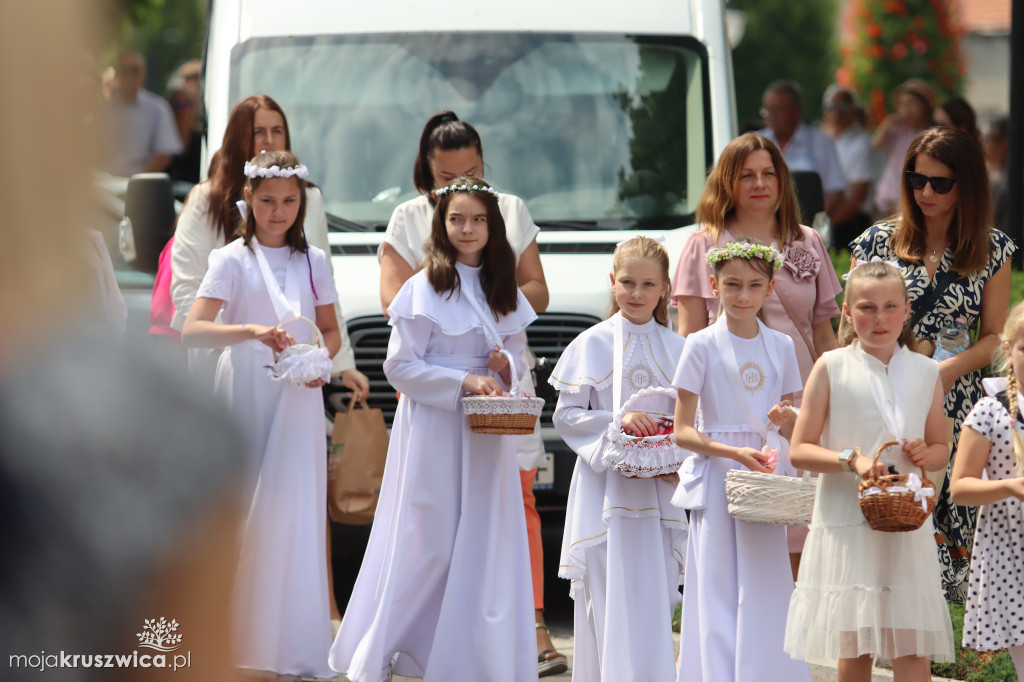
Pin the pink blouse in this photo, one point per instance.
(807, 281)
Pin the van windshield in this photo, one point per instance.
(592, 131)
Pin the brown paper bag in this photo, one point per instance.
(359, 448)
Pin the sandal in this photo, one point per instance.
(549, 661)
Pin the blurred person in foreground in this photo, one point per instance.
(141, 134)
(840, 109)
(803, 148)
(118, 500)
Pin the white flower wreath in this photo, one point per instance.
(253, 171)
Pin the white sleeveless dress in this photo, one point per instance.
(861, 591)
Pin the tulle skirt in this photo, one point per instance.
(865, 592)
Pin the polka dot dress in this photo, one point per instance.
(995, 598)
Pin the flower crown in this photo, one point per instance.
(717, 254)
(253, 171)
(465, 188)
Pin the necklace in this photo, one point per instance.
(934, 257)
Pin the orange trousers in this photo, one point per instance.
(533, 535)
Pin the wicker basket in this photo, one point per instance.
(896, 503)
(770, 498)
(642, 456)
(511, 415)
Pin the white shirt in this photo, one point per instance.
(410, 225)
(858, 159)
(139, 130)
(811, 149)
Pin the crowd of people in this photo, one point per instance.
(859, 171)
(451, 586)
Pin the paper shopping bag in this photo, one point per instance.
(359, 448)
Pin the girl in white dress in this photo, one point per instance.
(989, 471)
(738, 577)
(624, 543)
(864, 594)
(443, 593)
(260, 283)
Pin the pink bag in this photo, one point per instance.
(162, 309)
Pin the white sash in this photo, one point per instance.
(486, 321)
(617, 352)
(286, 303)
(692, 490)
(894, 415)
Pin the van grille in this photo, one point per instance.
(548, 336)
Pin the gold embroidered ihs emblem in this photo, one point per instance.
(640, 377)
(752, 376)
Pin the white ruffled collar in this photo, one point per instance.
(588, 362)
(453, 314)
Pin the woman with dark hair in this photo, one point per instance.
(956, 112)
(956, 265)
(449, 148)
(750, 194)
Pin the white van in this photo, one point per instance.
(604, 117)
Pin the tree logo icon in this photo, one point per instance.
(159, 635)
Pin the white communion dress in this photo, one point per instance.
(738, 576)
(862, 591)
(444, 592)
(624, 543)
(281, 618)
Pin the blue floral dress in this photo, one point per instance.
(954, 525)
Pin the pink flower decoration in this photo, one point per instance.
(803, 263)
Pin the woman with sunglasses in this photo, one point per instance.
(956, 264)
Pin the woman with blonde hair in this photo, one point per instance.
(957, 265)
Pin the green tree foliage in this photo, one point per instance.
(792, 39)
(893, 40)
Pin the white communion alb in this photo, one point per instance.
(624, 543)
(444, 592)
(281, 618)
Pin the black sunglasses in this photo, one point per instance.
(939, 185)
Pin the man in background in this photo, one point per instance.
(841, 111)
(142, 135)
(803, 148)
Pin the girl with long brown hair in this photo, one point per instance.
(444, 589)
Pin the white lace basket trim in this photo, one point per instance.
(641, 456)
(301, 364)
(502, 405)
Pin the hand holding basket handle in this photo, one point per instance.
(475, 384)
(895, 502)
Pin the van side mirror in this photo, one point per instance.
(149, 220)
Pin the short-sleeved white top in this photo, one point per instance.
(410, 225)
(702, 369)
